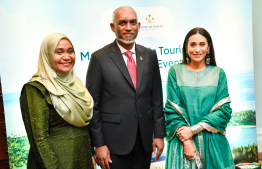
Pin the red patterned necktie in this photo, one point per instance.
(131, 66)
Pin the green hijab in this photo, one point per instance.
(69, 96)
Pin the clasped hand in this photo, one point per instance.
(189, 149)
(184, 133)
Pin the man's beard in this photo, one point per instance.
(127, 42)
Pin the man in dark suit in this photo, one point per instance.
(124, 81)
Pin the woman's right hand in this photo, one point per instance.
(185, 133)
(189, 149)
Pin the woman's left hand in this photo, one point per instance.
(184, 133)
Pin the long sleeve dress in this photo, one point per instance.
(54, 143)
(190, 98)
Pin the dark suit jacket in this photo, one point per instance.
(119, 109)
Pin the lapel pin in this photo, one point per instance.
(141, 58)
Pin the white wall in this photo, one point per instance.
(257, 49)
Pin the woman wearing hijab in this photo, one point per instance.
(56, 109)
(197, 109)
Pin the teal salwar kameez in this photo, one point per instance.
(190, 98)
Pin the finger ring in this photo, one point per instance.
(177, 135)
(192, 158)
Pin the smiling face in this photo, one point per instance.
(197, 48)
(64, 56)
(125, 26)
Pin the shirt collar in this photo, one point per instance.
(123, 50)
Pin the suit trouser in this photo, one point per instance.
(138, 158)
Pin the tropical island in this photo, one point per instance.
(247, 117)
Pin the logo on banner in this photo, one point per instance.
(154, 21)
(152, 24)
(149, 19)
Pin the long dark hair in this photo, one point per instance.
(204, 33)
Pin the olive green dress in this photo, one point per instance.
(54, 143)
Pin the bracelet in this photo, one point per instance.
(196, 129)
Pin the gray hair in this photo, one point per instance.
(120, 8)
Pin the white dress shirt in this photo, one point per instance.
(123, 50)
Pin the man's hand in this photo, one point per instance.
(103, 157)
(189, 149)
(159, 144)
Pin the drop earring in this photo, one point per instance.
(207, 59)
(187, 58)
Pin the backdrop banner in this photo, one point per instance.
(164, 25)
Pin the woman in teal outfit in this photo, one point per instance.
(56, 109)
(197, 109)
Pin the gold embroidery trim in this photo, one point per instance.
(220, 103)
(174, 134)
(179, 110)
(197, 157)
(203, 124)
(211, 129)
(207, 126)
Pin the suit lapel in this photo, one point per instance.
(117, 58)
(140, 60)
